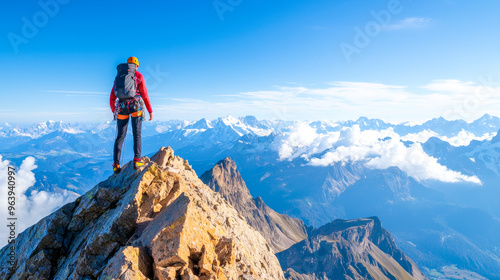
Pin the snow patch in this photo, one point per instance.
(72, 130)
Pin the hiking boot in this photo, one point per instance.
(138, 163)
(116, 167)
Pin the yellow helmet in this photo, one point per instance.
(134, 60)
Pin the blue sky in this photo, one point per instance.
(265, 58)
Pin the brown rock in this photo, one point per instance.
(188, 275)
(129, 263)
(167, 273)
(157, 222)
(225, 252)
(348, 249)
(280, 231)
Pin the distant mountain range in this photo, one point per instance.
(62, 144)
(433, 184)
(250, 125)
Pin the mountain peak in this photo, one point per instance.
(349, 249)
(250, 120)
(201, 124)
(279, 230)
(225, 179)
(228, 120)
(486, 117)
(159, 221)
(227, 163)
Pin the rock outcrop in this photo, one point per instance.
(158, 222)
(280, 231)
(348, 249)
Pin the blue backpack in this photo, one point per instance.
(125, 81)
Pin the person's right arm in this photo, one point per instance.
(112, 99)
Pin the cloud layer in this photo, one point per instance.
(30, 207)
(463, 138)
(410, 23)
(341, 100)
(376, 149)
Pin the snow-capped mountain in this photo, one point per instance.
(407, 173)
(206, 141)
(251, 125)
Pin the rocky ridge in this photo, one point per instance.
(280, 231)
(348, 249)
(159, 222)
(343, 249)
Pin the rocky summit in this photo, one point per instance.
(280, 231)
(348, 249)
(162, 222)
(158, 222)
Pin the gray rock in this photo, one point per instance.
(144, 224)
(280, 231)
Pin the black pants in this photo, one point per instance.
(121, 126)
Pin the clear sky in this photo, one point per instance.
(393, 59)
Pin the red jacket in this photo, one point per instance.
(141, 90)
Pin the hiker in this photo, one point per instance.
(128, 96)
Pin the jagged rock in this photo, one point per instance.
(348, 249)
(47, 235)
(129, 263)
(280, 231)
(38, 267)
(158, 222)
(292, 274)
(339, 250)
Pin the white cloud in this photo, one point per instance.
(304, 141)
(463, 138)
(467, 100)
(451, 86)
(376, 149)
(414, 161)
(337, 100)
(410, 23)
(30, 207)
(343, 100)
(420, 137)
